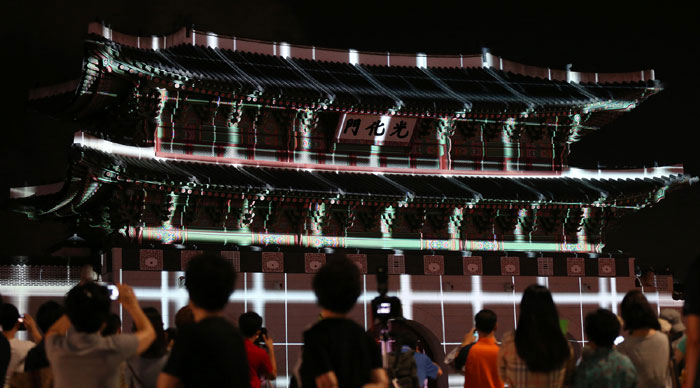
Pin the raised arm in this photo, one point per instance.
(32, 328)
(60, 327)
(144, 330)
(269, 343)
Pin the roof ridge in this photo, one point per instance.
(284, 49)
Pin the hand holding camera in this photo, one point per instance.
(269, 343)
(470, 337)
(126, 296)
(29, 322)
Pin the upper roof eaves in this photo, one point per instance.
(282, 49)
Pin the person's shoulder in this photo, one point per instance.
(622, 358)
(622, 346)
(22, 345)
(119, 341)
(54, 342)
(255, 350)
(212, 326)
(421, 357)
(660, 337)
(334, 324)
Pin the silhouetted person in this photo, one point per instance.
(37, 363)
(170, 336)
(184, 317)
(210, 352)
(142, 371)
(425, 367)
(79, 355)
(646, 345)
(11, 321)
(602, 366)
(337, 352)
(262, 363)
(480, 358)
(537, 354)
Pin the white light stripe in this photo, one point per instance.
(455, 381)
(353, 57)
(364, 300)
(113, 148)
(515, 302)
(20, 301)
(421, 60)
(259, 289)
(165, 302)
(286, 333)
(602, 291)
(658, 303)
(419, 297)
(406, 295)
(121, 308)
(580, 292)
(212, 41)
(613, 295)
(442, 314)
(285, 50)
(27, 191)
(184, 299)
(476, 296)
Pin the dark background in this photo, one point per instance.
(44, 46)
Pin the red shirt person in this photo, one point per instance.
(260, 362)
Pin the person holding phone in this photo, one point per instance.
(479, 353)
(262, 363)
(12, 322)
(78, 354)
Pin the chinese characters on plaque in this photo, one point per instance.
(375, 129)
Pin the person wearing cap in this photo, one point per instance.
(673, 317)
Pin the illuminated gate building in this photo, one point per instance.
(450, 170)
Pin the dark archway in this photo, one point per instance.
(431, 345)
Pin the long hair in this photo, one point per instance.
(539, 340)
(637, 313)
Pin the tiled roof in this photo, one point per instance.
(390, 187)
(338, 84)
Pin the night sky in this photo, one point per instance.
(45, 45)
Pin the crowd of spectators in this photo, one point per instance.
(80, 343)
